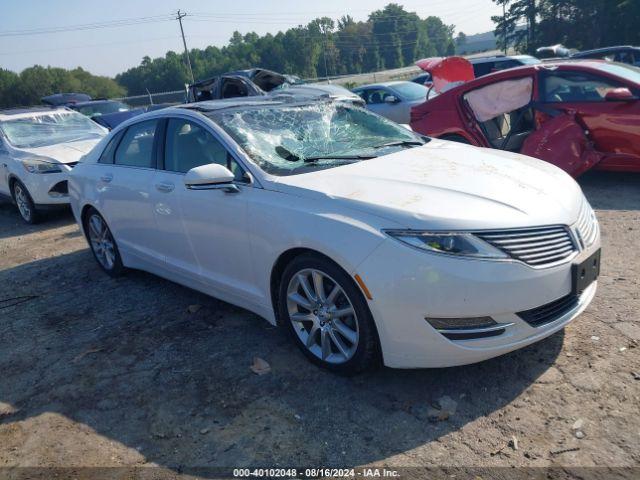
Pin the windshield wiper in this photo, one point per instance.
(401, 143)
(339, 157)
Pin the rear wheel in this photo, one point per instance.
(102, 243)
(327, 315)
(24, 202)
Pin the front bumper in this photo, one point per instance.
(408, 285)
(48, 188)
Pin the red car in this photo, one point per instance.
(575, 114)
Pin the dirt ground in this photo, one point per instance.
(102, 372)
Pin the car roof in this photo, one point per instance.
(383, 84)
(93, 102)
(11, 113)
(209, 106)
(605, 49)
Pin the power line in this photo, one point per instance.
(87, 26)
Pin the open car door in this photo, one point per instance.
(562, 141)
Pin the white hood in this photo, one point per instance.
(64, 152)
(446, 185)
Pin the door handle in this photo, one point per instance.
(165, 187)
(107, 177)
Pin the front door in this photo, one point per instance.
(203, 232)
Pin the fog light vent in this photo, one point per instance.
(454, 323)
(468, 328)
(60, 189)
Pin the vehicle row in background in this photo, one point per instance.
(575, 114)
(260, 82)
(38, 148)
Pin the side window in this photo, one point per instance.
(377, 96)
(188, 145)
(107, 153)
(576, 86)
(136, 147)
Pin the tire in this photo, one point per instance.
(102, 244)
(326, 332)
(24, 202)
(456, 138)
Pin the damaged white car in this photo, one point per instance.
(38, 148)
(367, 242)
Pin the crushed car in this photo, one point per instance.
(577, 115)
(260, 82)
(623, 54)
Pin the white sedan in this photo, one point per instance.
(366, 241)
(38, 148)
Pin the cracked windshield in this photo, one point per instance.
(287, 140)
(50, 129)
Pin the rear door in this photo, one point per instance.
(613, 127)
(124, 183)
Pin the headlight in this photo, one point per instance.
(33, 165)
(451, 243)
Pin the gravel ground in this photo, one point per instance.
(103, 372)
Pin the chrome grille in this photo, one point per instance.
(587, 226)
(539, 247)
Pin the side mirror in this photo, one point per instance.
(210, 177)
(622, 94)
(391, 99)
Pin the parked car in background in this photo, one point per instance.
(393, 100)
(64, 99)
(365, 241)
(38, 148)
(423, 79)
(622, 54)
(554, 51)
(259, 82)
(577, 115)
(107, 113)
(485, 65)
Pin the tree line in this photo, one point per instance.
(580, 24)
(390, 38)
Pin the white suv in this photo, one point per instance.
(38, 148)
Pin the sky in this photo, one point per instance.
(135, 28)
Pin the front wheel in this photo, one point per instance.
(24, 202)
(102, 244)
(327, 315)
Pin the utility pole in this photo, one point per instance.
(184, 42)
(504, 27)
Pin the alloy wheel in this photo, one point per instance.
(22, 201)
(102, 242)
(322, 316)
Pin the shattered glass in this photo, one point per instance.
(50, 129)
(290, 139)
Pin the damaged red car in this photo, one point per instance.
(577, 115)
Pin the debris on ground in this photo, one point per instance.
(578, 432)
(204, 431)
(636, 375)
(80, 356)
(443, 408)
(260, 366)
(565, 450)
(194, 308)
(513, 443)
(595, 338)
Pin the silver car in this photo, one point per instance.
(393, 100)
